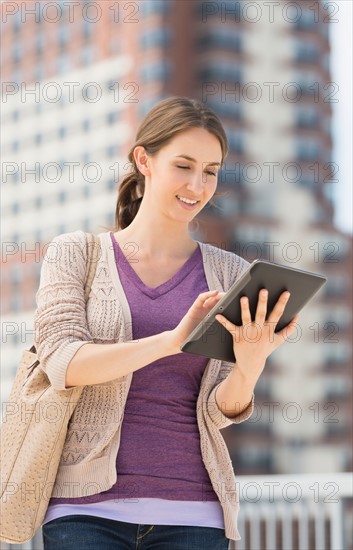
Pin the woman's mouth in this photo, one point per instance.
(189, 204)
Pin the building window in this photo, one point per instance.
(88, 54)
(336, 286)
(157, 38)
(86, 125)
(307, 52)
(306, 21)
(112, 117)
(150, 7)
(17, 76)
(254, 457)
(222, 70)
(87, 190)
(17, 52)
(62, 132)
(61, 164)
(336, 388)
(14, 178)
(307, 83)
(251, 234)
(61, 228)
(63, 35)
(86, 224)
(110, 219)
(229, 175)
(62, 196)
(236, 141)
(15, 207)
(111, 84)
(160, 70)
(337, 354)
(307, 150)
(228, 108)
(307, 182)
(111, 184)
(111, 151)
(39, 43)
(86, 157)
(16, 274)
(63, 100)
(16, 25)
(38, 202)
(224, 38)
(146, 104)
(63, 63)
(39, 71)
(15, 303)
(87, 28)
(307, 117)
(38, 139)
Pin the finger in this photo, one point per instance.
(205, 295)
(289, 329)
(245, 310)
(213, 299)
(279, 308)
(233, 329)
(201, 299)
(261, 308)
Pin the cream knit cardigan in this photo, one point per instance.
(63, 324)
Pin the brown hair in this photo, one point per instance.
(166, 119)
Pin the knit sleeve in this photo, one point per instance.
(60, 316)
(233, 269)
(220, 419)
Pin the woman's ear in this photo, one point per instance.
(142, 160)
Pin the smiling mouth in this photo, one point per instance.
(186, 200)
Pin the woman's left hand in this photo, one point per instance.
(254, 341)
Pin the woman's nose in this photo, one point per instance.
(196, 184)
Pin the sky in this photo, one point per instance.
(341, 71)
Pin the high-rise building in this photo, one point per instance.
(78, 79)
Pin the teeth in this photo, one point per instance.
(188, 201)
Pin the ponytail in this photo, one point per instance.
(130, 196)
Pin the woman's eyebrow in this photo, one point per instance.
(193, 160)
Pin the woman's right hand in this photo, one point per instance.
(195, 314)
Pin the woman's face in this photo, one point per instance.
(171, 177)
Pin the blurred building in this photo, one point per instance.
(78, 81)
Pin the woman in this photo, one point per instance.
(144, 463)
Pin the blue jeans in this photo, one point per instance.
(85, 532)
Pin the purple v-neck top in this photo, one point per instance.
(161, 477)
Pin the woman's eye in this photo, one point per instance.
(207, 171)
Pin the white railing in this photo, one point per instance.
(295, 512)
(285, 512)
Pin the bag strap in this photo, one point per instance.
(93, 255)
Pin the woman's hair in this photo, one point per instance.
(166, 119)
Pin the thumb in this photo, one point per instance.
(202, 299)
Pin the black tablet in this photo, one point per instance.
(211, 339)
